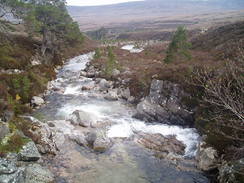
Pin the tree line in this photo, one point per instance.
(48, 19)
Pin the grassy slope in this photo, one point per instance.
(16, 52)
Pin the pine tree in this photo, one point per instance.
(178, 46)
(111, 63)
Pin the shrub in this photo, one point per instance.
(97, 53)
(14, 143)
(111, 63)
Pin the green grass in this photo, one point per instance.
(13, 143)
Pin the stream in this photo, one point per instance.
(125, 161)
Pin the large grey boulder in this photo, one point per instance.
(4, 130)
(81, 118)
(164, 104)
(29, 152)
(125, 93)
(207, 157)
(79, 139)
(35, 173)
(104, 84)
(37, 101)
(9, 173)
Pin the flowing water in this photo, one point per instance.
(125, 161)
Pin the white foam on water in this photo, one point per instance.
(78, 63)
(118, 113)
(96, 111)
(126, 128)
(72, 90)
(132, 48)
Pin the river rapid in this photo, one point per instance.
(125, 161)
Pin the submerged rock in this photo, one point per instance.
(9, 173)
(161, 144)
(164, 105)
(29, 152)
(35, 173)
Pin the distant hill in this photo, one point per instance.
(93, 17)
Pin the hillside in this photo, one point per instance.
(149, 11)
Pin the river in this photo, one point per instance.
(125, 161)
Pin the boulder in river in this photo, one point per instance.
(102, 142)
(81, 118)
(104, 84)
(79, 139)
(125, 93)
(29, 152)
(37, 101)
(111, 95)
(164, 104)
(161, 144)
(9, 173)
(35, 173)
(98, 140)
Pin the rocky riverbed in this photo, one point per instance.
(98, 140)
(86, 132)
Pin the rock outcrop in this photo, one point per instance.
(206, 157)
(164, 104)
(29, 152)
(35, 173)
(10, 173)
(42, 135)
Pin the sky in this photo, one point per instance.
(96, 2)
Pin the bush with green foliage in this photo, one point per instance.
(178, 46)
(111, 62)
(97, 53)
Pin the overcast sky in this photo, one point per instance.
(96, 2)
